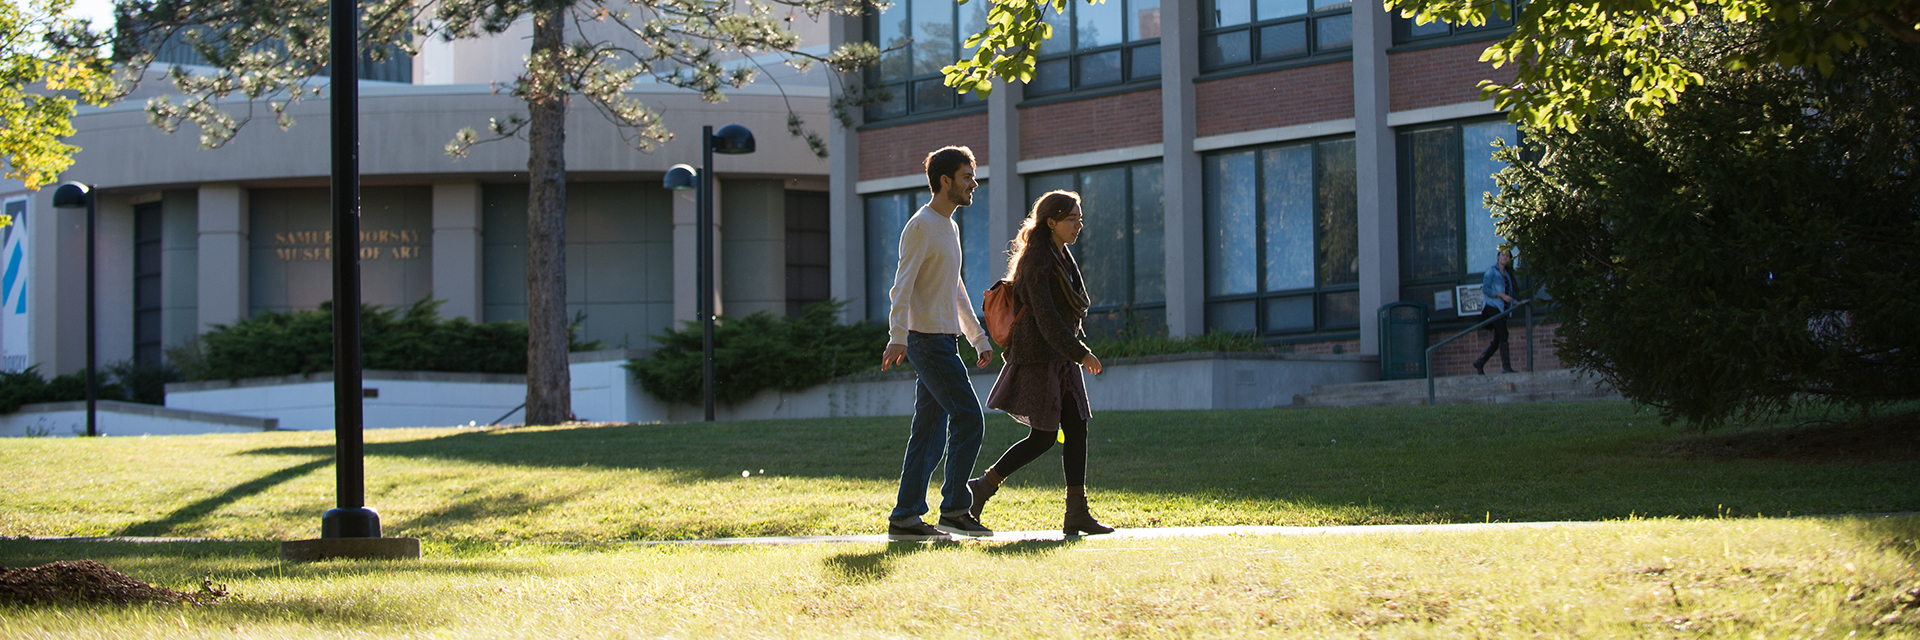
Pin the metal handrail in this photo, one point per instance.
(1528, 303)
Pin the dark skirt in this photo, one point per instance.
(1032, 393)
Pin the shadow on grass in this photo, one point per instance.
(166, 524)
(233, 561)
(1368, 465)
(871, 567)
(1901, 534)
(859, 568)
(488, 507)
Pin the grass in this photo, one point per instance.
(1577, 461)
(1803, 578)
(523, 531)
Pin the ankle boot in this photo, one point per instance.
(1077, 520)
(982, 489)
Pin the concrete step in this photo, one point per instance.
(1543, 386)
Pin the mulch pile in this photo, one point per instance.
(89, 582)
(1880, 439)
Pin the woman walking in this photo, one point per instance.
(1040, 386)
(1497, 287)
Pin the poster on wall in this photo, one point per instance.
(15, 337)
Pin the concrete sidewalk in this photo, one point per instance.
(1129, 534)
(1040, 536)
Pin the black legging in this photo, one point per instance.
(1499, 328)
(1073, 459)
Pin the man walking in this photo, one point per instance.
(930, 309)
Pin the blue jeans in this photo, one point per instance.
(944, 409)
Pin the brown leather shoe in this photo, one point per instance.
(1078, 521)
(981, 493)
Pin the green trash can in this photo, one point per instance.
(1403, 341)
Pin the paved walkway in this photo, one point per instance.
(1130, 534)
(1048, 535)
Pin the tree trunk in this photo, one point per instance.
(549, 399)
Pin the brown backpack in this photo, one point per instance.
(998, 306)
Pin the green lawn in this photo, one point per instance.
(1576, 461)
(1692, 547)
(1743, 578)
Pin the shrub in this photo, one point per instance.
(142, 383)
(1754, 246)
(301, 342)
(761, 351)
(28, 387)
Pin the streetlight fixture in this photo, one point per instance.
(732, 139)
(73, 195)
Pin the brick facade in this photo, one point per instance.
(898, 151)
(1275, 99)
(1094, 124)
(1442, 76)
(1456, 359)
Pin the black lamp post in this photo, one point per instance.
(350, 518)
(732, 139)
(73, 195)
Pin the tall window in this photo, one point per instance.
(919, 37)
(146, 283)
(1447, 235)
(887, 215)
(809, 251)
(1243, 32)
(1098, 45)
(1122, 249)
(1405, 31)
(1283, 248)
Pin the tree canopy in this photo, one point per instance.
(1571, 56)
(272, 54)
(48, 64)
(1756, 244)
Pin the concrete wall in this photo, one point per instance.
(404, 130)
(404, 399)
(605, 391)
(69, 419)
(620, 258)
(753, 248)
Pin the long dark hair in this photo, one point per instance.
(1055, 205)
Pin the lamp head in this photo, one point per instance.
(733, 139)
(681, 177)
(71, 195)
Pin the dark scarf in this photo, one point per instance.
(1071, 288)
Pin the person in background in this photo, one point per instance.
(1041, 386)
(1497, 288)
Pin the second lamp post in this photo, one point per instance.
(732, 139)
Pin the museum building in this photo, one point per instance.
(1281, 167)
(189, 238)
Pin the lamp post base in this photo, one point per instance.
(350, 548)
(350, 523)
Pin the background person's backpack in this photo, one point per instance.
(998, 306)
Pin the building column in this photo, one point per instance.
(1007, 199)
(1185, 218)
(686, 255)
(457, 238)
(846, 217)
(1377, 176)
(113, 292)
(223, 255)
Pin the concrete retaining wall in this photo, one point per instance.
(113, 418)
(604, 391)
